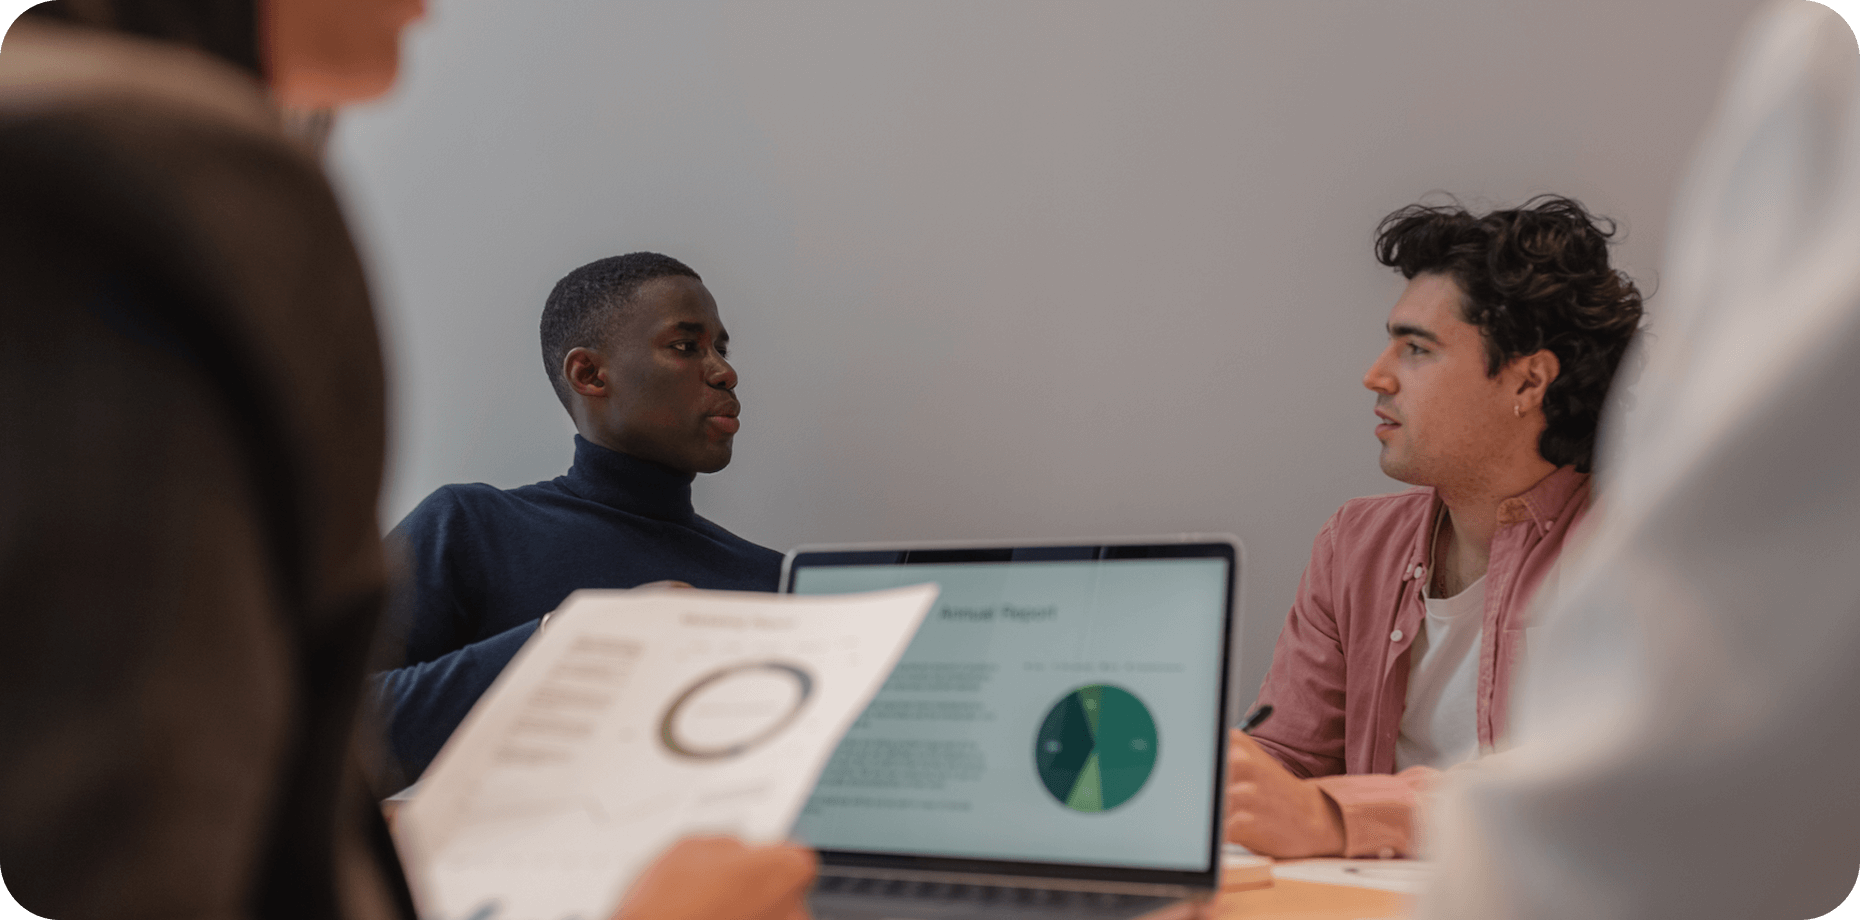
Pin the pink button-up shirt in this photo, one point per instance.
(1339, 677)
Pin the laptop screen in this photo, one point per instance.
(1060, 706)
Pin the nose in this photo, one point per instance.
(1379, 377)
(720, 374)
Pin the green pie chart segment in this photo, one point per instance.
(1096, 748)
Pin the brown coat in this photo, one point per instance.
(191, 441)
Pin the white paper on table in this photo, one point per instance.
(1404, 876)
(639, 717)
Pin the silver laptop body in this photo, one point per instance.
(1052, 742)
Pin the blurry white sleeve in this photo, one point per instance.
(1688, 731)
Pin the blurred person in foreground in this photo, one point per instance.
(1396, 658)
(1686, 741)
(191, 401)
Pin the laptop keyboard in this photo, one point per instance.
(842, 898)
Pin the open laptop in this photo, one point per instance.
(1052, 742)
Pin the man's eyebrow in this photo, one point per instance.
(693, 328)
(1403, 330)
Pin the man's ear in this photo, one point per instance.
(585, 371)
(1536, 371)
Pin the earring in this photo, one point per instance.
(1517, 411)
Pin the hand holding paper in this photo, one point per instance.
(714, 878)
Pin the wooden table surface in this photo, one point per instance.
(1288, 899)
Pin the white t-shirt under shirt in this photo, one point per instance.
(1440, 725)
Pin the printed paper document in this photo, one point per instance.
(636, 718)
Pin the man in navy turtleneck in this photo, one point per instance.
(637, 354)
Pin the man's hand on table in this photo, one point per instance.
(1274, 813)
(720, 878)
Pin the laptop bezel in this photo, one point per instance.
(1182, 546)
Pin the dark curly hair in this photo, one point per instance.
(581, 306)
(1530, 278)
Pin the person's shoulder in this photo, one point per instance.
(164, 182)
(145, 120)
(169, 173)
(450, 506)
(743, 546)
(164, 152)
(1380, 519)
(154, 188)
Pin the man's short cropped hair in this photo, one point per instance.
(581, 308)
(1532, 277)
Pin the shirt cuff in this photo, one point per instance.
(1378, 813)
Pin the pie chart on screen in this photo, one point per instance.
(1096, 748)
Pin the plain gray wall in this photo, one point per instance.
(992, 269)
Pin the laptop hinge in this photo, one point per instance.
(1018, 881)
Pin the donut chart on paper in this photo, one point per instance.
(732, 710)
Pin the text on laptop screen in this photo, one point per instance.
(1060, 712)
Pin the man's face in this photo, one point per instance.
(670, 391)
(1443, 422)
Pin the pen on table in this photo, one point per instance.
(1392, 870)
(1255, 718)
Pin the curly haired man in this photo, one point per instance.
(1397, 656)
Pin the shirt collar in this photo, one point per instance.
(1541, 503)
(1537, 505)
(627, 483)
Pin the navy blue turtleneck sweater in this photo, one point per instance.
(487, 563)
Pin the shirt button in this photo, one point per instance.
(1395, 636)
(1420, 570)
